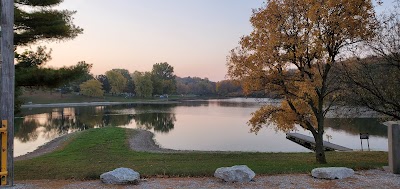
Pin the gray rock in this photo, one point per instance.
(120, 176)
(237, 173)
(332, 172)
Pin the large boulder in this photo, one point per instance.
(120, 176)
(332, 172)
(237, 173)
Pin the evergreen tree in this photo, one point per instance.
(34, 21)
(37, 20)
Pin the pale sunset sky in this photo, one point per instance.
(194, 36)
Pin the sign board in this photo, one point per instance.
(364, 136)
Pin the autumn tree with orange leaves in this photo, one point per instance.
(292, 50)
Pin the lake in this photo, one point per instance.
(216, 125)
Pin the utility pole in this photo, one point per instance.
(8, 82)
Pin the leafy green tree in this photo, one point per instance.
(163, 79)
(92, 88)
(117, 81)
(38, 20)
(74, 85)
(105, 83)
(130, 86)
(143, 83)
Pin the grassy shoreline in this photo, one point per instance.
(46, 97)
(94, 104)
(96, 151)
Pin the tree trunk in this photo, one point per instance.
(319, 149)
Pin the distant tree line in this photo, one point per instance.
(31, 26)
(160, 81)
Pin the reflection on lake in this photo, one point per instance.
(190, 125)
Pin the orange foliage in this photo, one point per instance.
(291, 50)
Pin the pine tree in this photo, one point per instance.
(37, 20)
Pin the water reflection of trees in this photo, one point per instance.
(52, 122)
(152, 108)
(355, 126)
(160, 117)
(160, 122)
(230, 103)
(56, 122)
(235, 104)
(119, 120)
(194, 103)
(28, 131)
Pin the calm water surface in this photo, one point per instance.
(192, 125)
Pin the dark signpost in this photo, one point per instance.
(364, 136)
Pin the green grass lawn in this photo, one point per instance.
(96, 151)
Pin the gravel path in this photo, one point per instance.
(143, 141)
(362, 179)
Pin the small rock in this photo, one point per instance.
(120, 176)
(332, 172)
(237, 173)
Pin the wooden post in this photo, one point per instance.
(8, 80)
(394, 147)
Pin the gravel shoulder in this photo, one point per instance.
(142, 140)
(361, 179)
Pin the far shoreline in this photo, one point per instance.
(77, 104)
